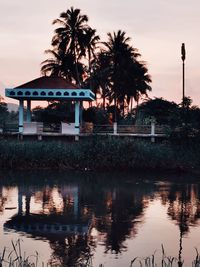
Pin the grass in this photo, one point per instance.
(98, 154)
(18, 258)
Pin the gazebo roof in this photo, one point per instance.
(50, 88)
(48, 82)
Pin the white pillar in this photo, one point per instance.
(28, 115)
(152, 132)
(21, 115)
(81, 112)
(77, 117)
(115, 127)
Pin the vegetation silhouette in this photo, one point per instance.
(111, 68)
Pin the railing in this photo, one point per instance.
(161, 129)
(90, 128)
(133, 129)
(52, 127)
(126, 129)
(9, 128)
(103, 129)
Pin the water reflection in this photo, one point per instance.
(77, 214)
(184, 209)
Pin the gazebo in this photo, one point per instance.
(48, 88)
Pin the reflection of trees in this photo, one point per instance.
(184, 208)
(125, 207)
(70, 250)
(5, 195)
(56, 209)
(184, 205)
(3, 200)
(115, 209)
(115, 206)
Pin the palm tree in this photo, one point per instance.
(70, 36)
(128, 76)
(138, 84)
(90, 41)
(52, 66)
(3, 111)
(100, 76)
(62, 65)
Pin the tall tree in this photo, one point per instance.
(128, 76)
(70, 36)
(62, 65)
(100, 76)
(3, 111)
(90, 42)
(113, 70)
(138, 84)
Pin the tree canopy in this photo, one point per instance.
(3, 111)
(111, 69)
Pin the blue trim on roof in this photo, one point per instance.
(47, 94)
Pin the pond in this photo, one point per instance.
(108, 218)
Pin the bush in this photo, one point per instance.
(98, 153)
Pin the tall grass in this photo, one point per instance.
(98, 154)
(17, 258)
(164, 261)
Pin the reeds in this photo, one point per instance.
(151, 261)
(164, 261)
(98, 154)
(17, 258)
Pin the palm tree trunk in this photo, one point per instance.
(136, 110)
(131, 104)
(76, 66)
(104, 102)
(115, 104)
(89, 66)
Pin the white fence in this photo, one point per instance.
(36, 128)
(116, 129)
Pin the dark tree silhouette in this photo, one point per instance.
(3, 111)
(112, 70)
(118, 74)
(69, 42)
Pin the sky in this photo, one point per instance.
(156, 27)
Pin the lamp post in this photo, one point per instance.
(183, 54)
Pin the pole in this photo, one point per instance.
(183, 83)
(77, 117)
(21, 115)
(183, 54)
(28, 110)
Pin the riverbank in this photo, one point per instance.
(99, 154)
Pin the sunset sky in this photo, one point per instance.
(157, 28)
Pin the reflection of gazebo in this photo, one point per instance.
(51, 219)
(47, 225)
(48, 88)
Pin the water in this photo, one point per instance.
(112, 217)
